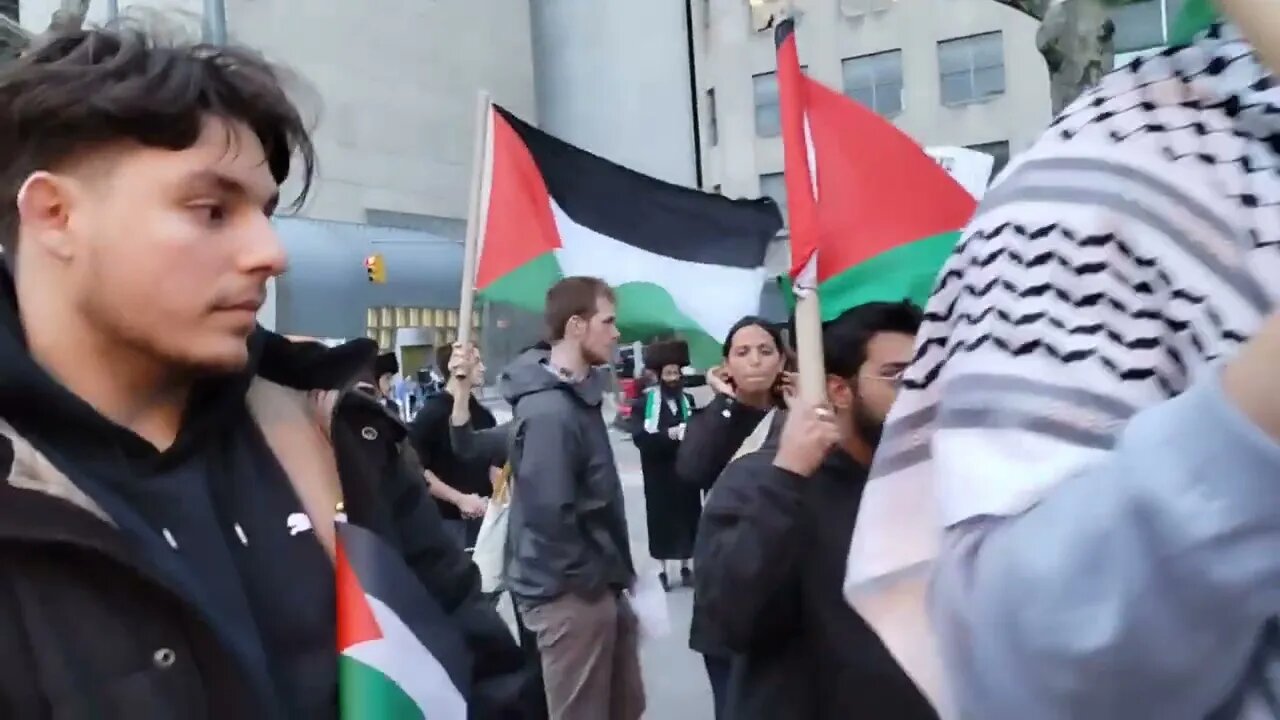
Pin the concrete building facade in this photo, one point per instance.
(947, 72)
(391, 87)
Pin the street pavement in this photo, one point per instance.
(675, 678)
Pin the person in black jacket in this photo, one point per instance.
(775, 534)
(461, 487)
(158, 554)
(748, 388)
(658, 420)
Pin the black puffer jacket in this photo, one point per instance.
(93, 627)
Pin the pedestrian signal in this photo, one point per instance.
(376, 268)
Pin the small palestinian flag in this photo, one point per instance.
(400, 658)
(873, 217)
(679, 259)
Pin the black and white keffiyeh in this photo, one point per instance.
(1134, 246)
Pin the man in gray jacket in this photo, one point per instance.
(568, 549)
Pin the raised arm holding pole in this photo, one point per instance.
(480, 177)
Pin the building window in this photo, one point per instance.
(1139, 26)
(9, 9)
(1144, 24)
(713, 125)
(706, 13)
(768, 120)
(774, 185)
(997, 150)
(971, 68)
(875, 81)
(768, 115)
(382, 322)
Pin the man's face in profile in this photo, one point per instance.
(171, 250)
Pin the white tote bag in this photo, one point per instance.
(491, 542)
(491, 546)
(648, 601)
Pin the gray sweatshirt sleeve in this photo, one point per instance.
(1137, 589)
(490, 444)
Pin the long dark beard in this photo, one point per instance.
(672, 390)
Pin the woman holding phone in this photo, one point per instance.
(749, 386)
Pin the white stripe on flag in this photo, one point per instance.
(713, 296)
(401, 657)
(807, 281)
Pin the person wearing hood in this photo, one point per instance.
(1092, 420)
(658, 420)
(568, 547)
(170, 473)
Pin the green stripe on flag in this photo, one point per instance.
(367, 694)
(907, 272)
(526, 287)
(646, 310)
(1196, 16)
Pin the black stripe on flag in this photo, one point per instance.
(383, 574)
(647, 213)
(782, 31)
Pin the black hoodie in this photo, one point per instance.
(215, 518)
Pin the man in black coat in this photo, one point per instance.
(658, 420)
(460, 487)
(775, 534)
(160, 555)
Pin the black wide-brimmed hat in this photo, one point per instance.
(666, 352)
(386, 364)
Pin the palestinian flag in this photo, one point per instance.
(873, 217)
(679, 259)
(399, 656)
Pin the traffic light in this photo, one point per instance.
(376, 268)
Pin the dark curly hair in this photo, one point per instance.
(72, 91)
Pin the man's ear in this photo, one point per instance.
(44, 208)
(840, 392)
(570, 328)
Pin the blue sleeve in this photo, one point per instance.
(1138, 588)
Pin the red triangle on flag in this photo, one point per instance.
(519, 226)
(877, 188)
(356, 623)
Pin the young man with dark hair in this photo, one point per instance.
(775, 532)
(161, 555)
(460, 486)
(568, 547)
